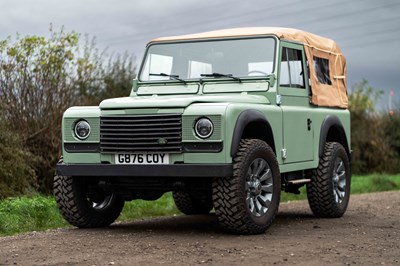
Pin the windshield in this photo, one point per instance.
(195, 60)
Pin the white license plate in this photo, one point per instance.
(142, 158)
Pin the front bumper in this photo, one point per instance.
(170, 170)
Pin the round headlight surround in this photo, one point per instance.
(204, 127)
(82, 126)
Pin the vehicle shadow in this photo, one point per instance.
(195, 224)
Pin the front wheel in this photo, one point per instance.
(247, 202)
(83, 204)
(328, 192)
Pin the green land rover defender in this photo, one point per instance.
(224, 120)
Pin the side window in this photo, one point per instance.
(321, 66)
(292, 72)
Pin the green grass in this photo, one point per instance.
(359, 184)
(138, 209)
(39, 213)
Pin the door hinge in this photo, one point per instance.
(278, 99)
(284, 153)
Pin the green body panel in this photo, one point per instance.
(295, 123)
(68, 129)
(81, 157)
(236, 87)
(73, 115)
(272, 113)
(167, 89)
(174, 101)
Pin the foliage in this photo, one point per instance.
(392, 129)
(117, 76)
(372, 133)
(139, 209)
(16, 175)
(26, 214)
(363, 98)
(375, 183)
(41, 77)
(101, 77)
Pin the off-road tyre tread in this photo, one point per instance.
(72, 206)
(320, 189)
(231, 211)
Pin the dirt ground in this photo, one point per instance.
(368, 234)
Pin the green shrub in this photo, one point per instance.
(375, 136)
(40, 78)
(17, 177)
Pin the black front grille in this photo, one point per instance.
(142, 133)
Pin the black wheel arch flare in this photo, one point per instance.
(247, 118)
(332, 130)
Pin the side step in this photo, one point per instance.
(299, 181)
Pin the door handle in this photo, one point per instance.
(309, 122)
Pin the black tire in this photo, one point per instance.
(193, 202)
(84, 210)
(255, 181)
(328, 192)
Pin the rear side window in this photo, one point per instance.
(321, 66)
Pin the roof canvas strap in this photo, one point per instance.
(322, 50)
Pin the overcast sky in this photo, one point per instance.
(368, 31)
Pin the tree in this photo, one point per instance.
(370, 141)
(17, 177)
(41, 77)
(392, 130)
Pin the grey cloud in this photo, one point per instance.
(367, 30)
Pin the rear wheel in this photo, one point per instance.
(247, 202)
(84, 205)
(195, 202)
(329, 190)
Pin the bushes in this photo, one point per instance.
(39, 79)
(17, 176)
(392, 129)
(375, 137)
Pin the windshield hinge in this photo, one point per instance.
(272, 80)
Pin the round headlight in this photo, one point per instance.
(204, 128)
(82, 129)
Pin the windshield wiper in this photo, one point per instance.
(176, 77)
(220, 75)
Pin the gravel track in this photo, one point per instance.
(368, 234)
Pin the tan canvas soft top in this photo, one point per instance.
(333, 95)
